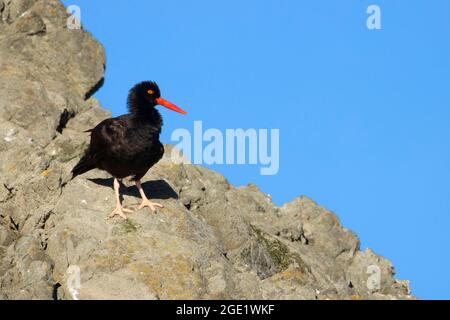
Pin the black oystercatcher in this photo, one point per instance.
(129, 145)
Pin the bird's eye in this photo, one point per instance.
(151, 91)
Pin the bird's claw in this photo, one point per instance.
(119, 211)
(151, 205)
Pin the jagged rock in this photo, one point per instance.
(11, 9)
(211, 241)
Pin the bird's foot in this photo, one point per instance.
(119, 211)
(152, 205)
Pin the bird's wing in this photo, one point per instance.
(109, 138)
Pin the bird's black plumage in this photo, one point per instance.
(127, 145)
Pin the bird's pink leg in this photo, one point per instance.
(119, 210)
(145, 201)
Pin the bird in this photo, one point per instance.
(128, 145)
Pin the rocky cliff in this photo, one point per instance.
(211, 241)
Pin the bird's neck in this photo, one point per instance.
(148, 117)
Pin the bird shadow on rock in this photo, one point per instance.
(155, 189)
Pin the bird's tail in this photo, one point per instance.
(85, 164)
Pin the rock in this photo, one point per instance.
(2, 8)
(12, 9)
(31, 24)
(39, 84)
(211, 241)
(26, 270)
(7, 236)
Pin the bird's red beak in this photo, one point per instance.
(169, 105)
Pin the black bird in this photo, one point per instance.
(129, 145)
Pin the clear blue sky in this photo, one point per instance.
(363, 115)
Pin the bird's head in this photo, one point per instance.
(147, 95)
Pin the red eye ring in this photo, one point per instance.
(151, 91)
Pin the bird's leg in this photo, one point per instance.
(145, 201)
(119, 210)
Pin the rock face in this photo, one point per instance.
(211, 241)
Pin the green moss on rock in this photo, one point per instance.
(278, 251)
(129, 226)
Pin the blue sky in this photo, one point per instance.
(363, 114)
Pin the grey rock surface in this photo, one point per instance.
(211, 241)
